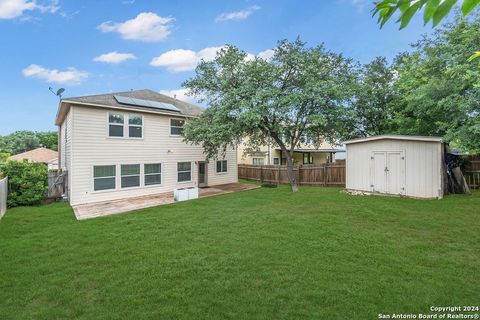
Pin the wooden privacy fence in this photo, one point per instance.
(472, 171)
(3, 196)
(324, 175)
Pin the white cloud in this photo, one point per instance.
(10, 9)
(114, 57)
(267, 54)
(360, 4)
(180, 94)
(237, 15)
(146, 26)
(70, 76)
(181, 60)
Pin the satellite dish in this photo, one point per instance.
(58, 93)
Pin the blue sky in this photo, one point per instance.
(90, 47)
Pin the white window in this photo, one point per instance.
(258, 161)
(104, 177)
(276, 161)
(176, 127)
(130, 175)
(221, 166)
(184, 171)
(135, 126)
(115, 124)
(153, 173)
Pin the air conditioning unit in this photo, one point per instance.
(192, 193)
(183, 194)
(180, 194)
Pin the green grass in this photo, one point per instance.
(261, 254)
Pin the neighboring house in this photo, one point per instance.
(308, 152)
(42, 155)
(129, 144)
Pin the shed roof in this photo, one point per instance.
(396, 137)
(43, 155)
(108, 100)
(316, 150)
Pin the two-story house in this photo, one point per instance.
(309, 151)
(129, 144)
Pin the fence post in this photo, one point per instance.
(278, 178)
(3, 196)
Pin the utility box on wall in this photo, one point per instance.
(398, 165)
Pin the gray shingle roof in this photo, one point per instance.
(108, 99)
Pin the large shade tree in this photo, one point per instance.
(296, 92)
(438, 89)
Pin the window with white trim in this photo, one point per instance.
(176, 127)
(152, 173)
(130, 175)
(258, 161)
(115, 124)
(135, 126)
(104, 177)
(221, 166)
(276, 161)
(184, 171)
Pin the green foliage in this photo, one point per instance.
(370, 113)
(28, 182)
(4, 156)
(292, 94)
(438, 89)
(434, 10)
(21, 141)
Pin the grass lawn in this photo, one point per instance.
(261, 254)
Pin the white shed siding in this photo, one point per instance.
(92, 146)
(423, 167)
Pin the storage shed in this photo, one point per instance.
(399, 165)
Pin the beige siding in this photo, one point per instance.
(423, 177)
(268, 153)
(66, 142)
(92, 146)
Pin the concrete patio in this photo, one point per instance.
(100, 209)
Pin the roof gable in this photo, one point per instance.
(36, 155)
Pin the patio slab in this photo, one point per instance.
(100, 209)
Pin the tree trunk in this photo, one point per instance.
(290, 173)
(289, 156)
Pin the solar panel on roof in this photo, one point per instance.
(145, 103)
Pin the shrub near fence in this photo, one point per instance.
(324, 175)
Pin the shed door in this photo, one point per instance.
(395, 173)
(378, 172)
(387, 172)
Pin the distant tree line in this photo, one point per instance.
(22, 141)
